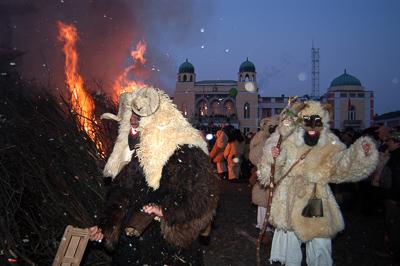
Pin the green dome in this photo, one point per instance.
(186, 67)
(345, 80)
(247, 66)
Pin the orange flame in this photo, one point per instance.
(82, 103)
(123, 83)
(138, 54)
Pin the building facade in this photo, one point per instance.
(237, 103)
(390, 120)
(213, 102)
(353, 106)
(271, 106)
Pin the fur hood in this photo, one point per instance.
(121, 154)
(161, 133)
(314, 108)
(257, 142)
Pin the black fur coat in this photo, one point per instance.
(188, 195)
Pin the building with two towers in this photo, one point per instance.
(237, 102)
(213, 102)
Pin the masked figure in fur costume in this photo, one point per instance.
(259, 194)
(159, 164)
(305, 134)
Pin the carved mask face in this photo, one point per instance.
(313, 126)
(271, 128)
(133, 137)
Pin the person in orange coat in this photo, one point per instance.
(217, 153)
(233, 154)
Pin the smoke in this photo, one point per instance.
(283, 73)
(108, 30)
(266, 76)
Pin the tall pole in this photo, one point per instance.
(315, 72)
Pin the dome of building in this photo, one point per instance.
(247, 66)
(186, 67)
(345, 80)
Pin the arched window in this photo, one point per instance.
(241, 78)
(191, 78)
(247, 77)
(179, 78)
(202, 108)
(229, 108)
(184, 109)
(215, 107)
(184, 78)
(351, 115)
(246, 110)
(254, 78)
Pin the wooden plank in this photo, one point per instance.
(72, 247)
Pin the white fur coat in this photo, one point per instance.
(328, 162)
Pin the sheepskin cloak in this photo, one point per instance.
(188, 195)
(327, 163)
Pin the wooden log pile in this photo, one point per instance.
(50, 175)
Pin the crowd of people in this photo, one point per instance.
(379, 193)
(295, 164)
(229, 153)
(378, 190)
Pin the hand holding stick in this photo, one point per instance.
(275, 153)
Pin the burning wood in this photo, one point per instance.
(51, 158)
(81, 102)
(123, 83)
(138, 54)
(50, 175)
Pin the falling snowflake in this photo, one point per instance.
(202, 30)
(202, 47)
(227, 50)
(302, 76)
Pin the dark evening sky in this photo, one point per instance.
(362, 36)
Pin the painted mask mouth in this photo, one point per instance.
(313, 133)
(311, 137)
(134, 122)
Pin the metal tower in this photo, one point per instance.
(315, 72)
